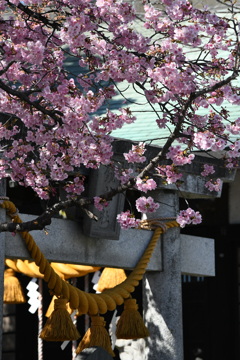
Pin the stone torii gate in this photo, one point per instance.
(174, 255)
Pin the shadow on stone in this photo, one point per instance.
(94, 353)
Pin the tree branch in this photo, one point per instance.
(23, 95)
(35, 15)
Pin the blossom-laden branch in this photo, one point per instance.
(63, 62)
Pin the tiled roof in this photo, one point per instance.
(145, 127)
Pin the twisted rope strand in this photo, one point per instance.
(87, 302)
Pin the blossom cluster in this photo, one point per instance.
(124, 175)
(146, 205)
(189, 216)
(214, 185)
(127, 220)
(207, 169)
(178, 156)
(145, 185)
(169, 173)
(61, 118)
(135, 155)
(100, 203)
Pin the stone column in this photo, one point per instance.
(162, 295)
(2, 263)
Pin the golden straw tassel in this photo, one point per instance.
(13, 292)
(110, 277)
(130, 324)
(59, 326)
(96, 335)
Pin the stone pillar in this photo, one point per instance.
(2, 263)
(162, 295)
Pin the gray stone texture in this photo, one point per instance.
(101, 181)
(72, 246)
(66, 243)
(233, 202)
(197, 256)
(94, 353)
(162, 296)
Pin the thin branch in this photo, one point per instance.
(3, 71)
(35, 15)
(23, 95)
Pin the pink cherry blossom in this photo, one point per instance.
(127, 220)
(169, 173)
(189, 216)
(146, 205)
(208, 169)
(100, 203)
(76, 187)
(66, 75)
(145, 185)
(135, 155)
(123, 175)
(178, 156)
(214, 185)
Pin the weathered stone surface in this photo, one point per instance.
(233, 202)
(66, 243)
(162, 297)
(94, 353)
(106, 227)
(197, 256)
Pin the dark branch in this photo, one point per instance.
(35, 15)
(23, 95)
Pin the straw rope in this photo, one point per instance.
(88, 303)
(65, 271)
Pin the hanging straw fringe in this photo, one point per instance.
(59, 326)
(110, 277)
(130, 324)
(13, 292)
(96, 335)
(65, 271)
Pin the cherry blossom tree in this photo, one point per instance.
(184, 60)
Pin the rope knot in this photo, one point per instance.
(9, 272)
(98, 321)
(153, 224)
(130, 304)
(60, 303)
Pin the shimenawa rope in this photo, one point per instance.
(88, 303)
